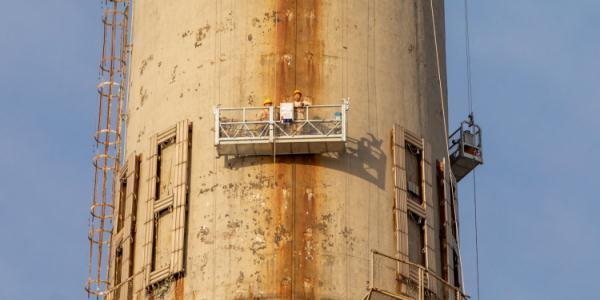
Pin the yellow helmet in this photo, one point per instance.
(297, 92)
(267, 101)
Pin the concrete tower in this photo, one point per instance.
(195, 221)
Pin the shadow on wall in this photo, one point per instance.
(363, 158)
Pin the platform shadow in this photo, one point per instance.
(363, 158)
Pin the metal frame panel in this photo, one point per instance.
(149, 222)
(125, 238)
(180, 196)
(176, 202)
(401, 136)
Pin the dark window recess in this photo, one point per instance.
(416, 239)
(134, 199)
(122, 201)
(164, 172)
(413, 173)
(456, 260)
(453, 217)
(154, 240)
(118, 264)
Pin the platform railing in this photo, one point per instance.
(467, 135)
(243, 124)
(311, 123)
(465, 148)
(418, 284)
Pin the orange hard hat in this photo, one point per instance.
(297, 92)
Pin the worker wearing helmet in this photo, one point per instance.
(297, 96)
(267, 103)
(298, 104)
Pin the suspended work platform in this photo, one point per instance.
(465, 148)
(281, 130)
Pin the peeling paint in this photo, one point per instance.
(173, 74)
(145, 63)
(347, 233)
(199, 35)
(143, 95)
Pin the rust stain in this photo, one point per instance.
(179, 288)
(285, 48)
(293, 198)
(282, 195)
(310, 51)
(305, 210)
(283, 239)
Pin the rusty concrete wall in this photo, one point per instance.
(300, 227)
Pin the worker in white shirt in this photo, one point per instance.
(300, 103)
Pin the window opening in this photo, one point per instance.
(416, 240)
(122, 203)
(414, 177)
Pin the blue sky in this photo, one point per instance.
(537, 95)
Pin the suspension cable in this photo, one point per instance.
(443, 102)
(470, 107)
(443, 105)
(476, 230)
(468, 57)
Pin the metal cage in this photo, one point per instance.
(466, 149)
